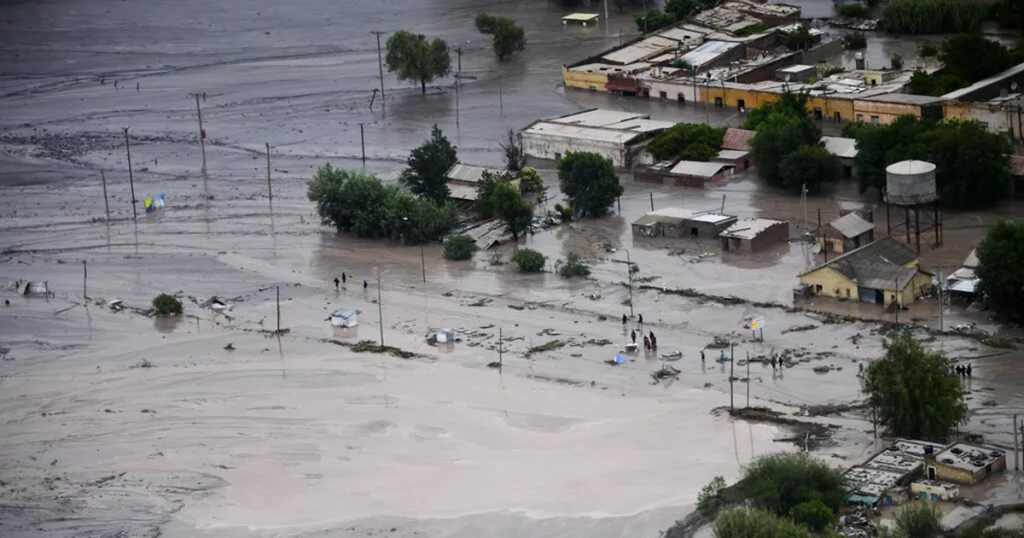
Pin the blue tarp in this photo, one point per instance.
(619, 359)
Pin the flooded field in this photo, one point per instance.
(212, 425)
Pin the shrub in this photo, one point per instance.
(897, 61)
(933, 16)
(564, 212)
(779, 482)
(167, 305)
(740, 523)
(927, 50)
(854, 10)
(709, 499)
(572, 265)
(855, 41)
(812, 514)
(920, 520)
(529, 260)
(460, 247)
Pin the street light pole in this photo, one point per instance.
(423, 259)
(629, 272)
(380, 307)
(131, 180)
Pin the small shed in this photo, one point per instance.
(697, 170)
(934, 490)
(849, 232)
(796, 73)
(737, 159)
(707, 225)
(662, 222)
(844, 149)
(755, 234)
(583, 19)
(965, 464)
(344, 318)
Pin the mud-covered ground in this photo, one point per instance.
(114, 423)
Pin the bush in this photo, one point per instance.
(653, 20)
(812, 514)
(854, 10)
(167, 305)
(933, 16)
(709, 500)
(740, 523)
(529, 260)
(896, 61)
(780, 482)
(927, 50)
(572, 265)
(588, 181)
(919, 520)
(460, 247)
(564, 213)
(855, 41)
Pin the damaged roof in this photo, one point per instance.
(738, 139)
(879, 265)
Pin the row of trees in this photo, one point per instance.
(787, 146)
(972, 164)
(414, 58)
(966, 59)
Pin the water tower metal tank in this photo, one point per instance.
(911, 185)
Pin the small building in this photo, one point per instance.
(737, 139)
(934, 490)
(737, 159)
(848, 232)
(583, 19)
(796, 73)
(693, 174)
(344, 318)
(707, 225)
(463, 180)
(962, 463)
(662, 222)
(845, 149)
(881, 272)
(712, 54)
(621, 137)
(883, 479)
(754, 234)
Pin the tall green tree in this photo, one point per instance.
(912, 393)
(510, 207)
(428, 167)
(508, 38)
(1000, 258)
(653, 20)
(676, 140)
(589, 181)
(411, 57)
(808, 165)
(484, 190)
(779, 135)
(743, 523)
(789, 103)
(780, 482)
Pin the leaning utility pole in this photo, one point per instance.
(202, 133)
(380, 67)
(131, 180)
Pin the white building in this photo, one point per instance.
(619, 136)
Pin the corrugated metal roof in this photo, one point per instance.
(844, 148)
(641, 125)
(885, 250)
(738, 139)
(881, 276)
(732, 154)
(641, 50)
(713, 218)
(962, 92)
(972, 260)
(749, 228)
(469, 172)
(580, 17)
(597, 117)
(576, 132)
(851, 225)
(461, 192)
(697, 168)
(708, 52)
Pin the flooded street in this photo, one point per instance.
(212, 425)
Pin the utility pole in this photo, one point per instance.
(652, 201)
(748, 379)
(270, 192)
(362, 142)
(501, 97)
(278, 288)
(732, 367)
(106, 202)
(458, 76)
(202, 133)
(380, 67)
(500, 363)
(85, 276)
(896, 301)
(942, 304)
(606, 17)
(380, 307)
(131, 181)
(629, 272)
(1016, 447)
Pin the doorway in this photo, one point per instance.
(931, 473)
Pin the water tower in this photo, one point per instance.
(911, 185)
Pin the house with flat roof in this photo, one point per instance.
(619, 136)
(880, 272)
(964, 463)
(884, 478)
(754, 234)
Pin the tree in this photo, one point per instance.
(918, 520)
(572, 265)
(510, 207)
(167, 305)
(411, 57)
(789, 103)
(458, 248)
(741, 523)
(528, 260)
(484, 190)
(779, 482)
(653, 20)
(896, 61)
(681, 9)
(676, 140)
(854, 10)
(512, 148)
(709, 500)
(1000, 258)
(933, 16)
(912, 393)
(812, 514)
(800, 39)
(778, 136)
(972, 57)
(531, 180)
(428, 167)
(808, 165)
(588, 180)
(508, 38)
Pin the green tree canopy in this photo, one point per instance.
(1000, 259)
(508, 38)
(743, 523)
(411, 57)
(676, 140)
(528, 260)
(428, 167)
(918, 520)
(912, 393)
(589, 181)
(484, 189)
(789, 103)
(510, 207)
(972, 164)
(933, 16)
(808, 165)
(780, 482)
(458, 248)
(653, 20)
(966, 59)
(778, 136)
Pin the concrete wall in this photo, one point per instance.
(950, 473)
(995, 118)
(822, 53)
(930, 490)
(886, 113)
(830, 283)
(542, 146)
(585, 81)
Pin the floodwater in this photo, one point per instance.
(116, 422)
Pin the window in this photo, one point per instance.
(593, 88)
(680, 98)
(718, 102)
(847, 293)
(663, 95)
(860, 118)
(874, 120)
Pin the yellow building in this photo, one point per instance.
(881, 272)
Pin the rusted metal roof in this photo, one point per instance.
(738, 139)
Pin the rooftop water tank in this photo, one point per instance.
(910, 183)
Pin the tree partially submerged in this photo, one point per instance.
(167, 305)
(510, 207)
(779, 483)
(808, 165)
(528, 260)
(508, 38)
(691, 141)
(512, 149)
(411, 57)
(779, 136)
(458, 248)
(912, 393)
(653, 20)
(589, 181)
(917, 520)
(1001, 269)
(428, 167)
